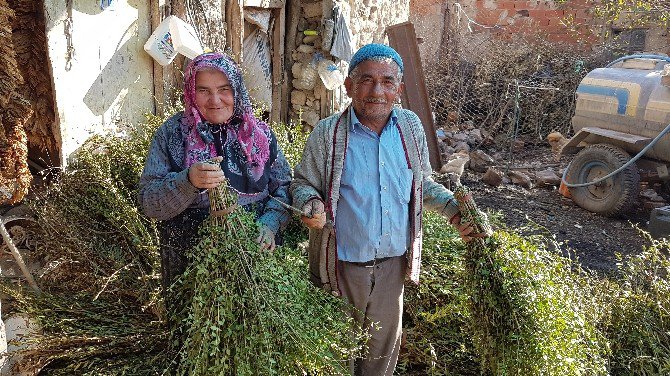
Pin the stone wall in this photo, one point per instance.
(367, 21)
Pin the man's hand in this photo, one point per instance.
(205, 175)
(465, 230)
(314, 214)
(266, 238)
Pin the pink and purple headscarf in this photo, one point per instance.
(243, 128)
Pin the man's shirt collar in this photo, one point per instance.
(355, 122)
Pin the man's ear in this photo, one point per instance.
(348, 85)
(401, 88)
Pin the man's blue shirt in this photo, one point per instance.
(372, 214)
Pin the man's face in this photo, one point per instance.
(373, 90)
(214, 96)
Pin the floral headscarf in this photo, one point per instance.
(245, 134)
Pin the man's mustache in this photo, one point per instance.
(375, 100)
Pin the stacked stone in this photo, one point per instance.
(308, 89)
(367, 20)
(370, 18)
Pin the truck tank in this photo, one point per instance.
(629, 97)
(620, 110)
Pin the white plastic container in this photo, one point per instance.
(309, 73)
(173, 36)
(330, 75)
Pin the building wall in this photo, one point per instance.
(367, 20)
(103, 79)
(566, 23)
(428, 17)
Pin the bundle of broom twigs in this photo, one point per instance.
(252, 312)
(488, 306)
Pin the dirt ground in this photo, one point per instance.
(593, 239)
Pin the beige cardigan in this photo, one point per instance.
(318, 176)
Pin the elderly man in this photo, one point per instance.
(362, 184)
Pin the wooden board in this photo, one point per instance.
(402, 38)
(278, 94)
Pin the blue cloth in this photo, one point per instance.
(372, 217)
(374, 50)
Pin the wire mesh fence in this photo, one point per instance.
(511, 80)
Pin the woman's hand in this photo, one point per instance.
(206, 175)
(266, 238)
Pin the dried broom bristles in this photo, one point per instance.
(251, 312)
(15, 177)
(10, 77)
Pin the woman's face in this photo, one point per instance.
(214, 96)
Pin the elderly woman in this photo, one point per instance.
(217, 122)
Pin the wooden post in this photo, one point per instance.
(157, 8)
(402, 38)
(293, 14)
(235, 28)
(277, 113)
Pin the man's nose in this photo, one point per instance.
(377, 88)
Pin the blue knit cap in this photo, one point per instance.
(373, 50)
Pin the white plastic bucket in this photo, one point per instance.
(173, 36)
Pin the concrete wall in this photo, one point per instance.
(103, 79)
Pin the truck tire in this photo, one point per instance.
(611, 197)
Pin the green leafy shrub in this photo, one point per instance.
(95, 239)
(292, 140)
(530, 311)
(99, 311)
(436, 312)
(637, 304)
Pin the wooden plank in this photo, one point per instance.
(402, 38)
(278, 97)
(235, 28)
(157, 9)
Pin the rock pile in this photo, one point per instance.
(472, 150)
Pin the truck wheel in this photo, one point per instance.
(611, 197)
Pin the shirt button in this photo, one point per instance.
(384, 188)
(382, 163)
(386, 212)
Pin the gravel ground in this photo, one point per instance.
(593, 239)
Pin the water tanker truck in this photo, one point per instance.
(621, 134)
